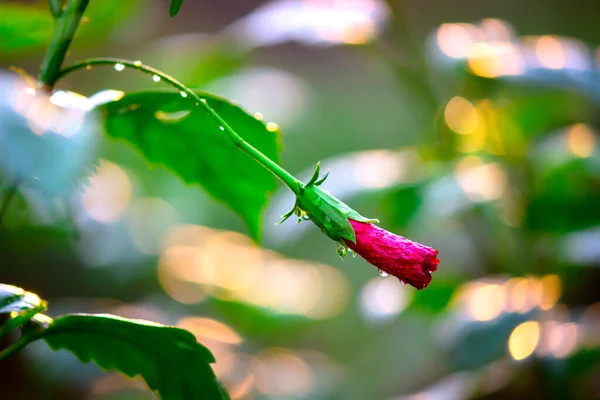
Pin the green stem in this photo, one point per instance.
(66, 24)
(18, 345)
(294, 184)
(55, 7)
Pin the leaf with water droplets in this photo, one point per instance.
(174, 132)
(175, 6)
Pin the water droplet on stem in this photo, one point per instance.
(119, 67)
(156, 78)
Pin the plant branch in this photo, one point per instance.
(55, 7)
(18, 345)
(294, 184)
(66, 24)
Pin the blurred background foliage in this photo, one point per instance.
(470, 126)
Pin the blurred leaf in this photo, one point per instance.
(541, 110)
(13, 298)
(213, 57)
(168, 358)
(175, 6)
(483, 342)
(24, 28)
(170, 130)
(263, 325)
(102, 17)
(566, 200)
(401, 204)
(436, 297)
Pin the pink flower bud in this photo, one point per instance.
(408, 261)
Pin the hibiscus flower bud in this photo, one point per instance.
(408, 261)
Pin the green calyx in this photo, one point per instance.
(326, 211)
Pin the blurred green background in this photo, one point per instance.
(470, 126)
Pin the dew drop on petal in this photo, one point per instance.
(156, 78)
(119, 67)
(383, 273)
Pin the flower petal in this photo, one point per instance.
(409, 261)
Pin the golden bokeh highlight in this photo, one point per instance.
(108, 194)
(382, 298)
(378, 169)
(210, 261)
(455, 40)
(460, 115)
(484, 301)
(487, 299)
(580, 140)
(210, 329)
(524, 339)
(559, 340)
(480, 181)
(494, 59)
(550, 52)
(281, 372)
(551, 291)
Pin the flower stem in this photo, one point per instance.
(294, 184)
(66, 24)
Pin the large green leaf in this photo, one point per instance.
(169, 359)
(172, 131)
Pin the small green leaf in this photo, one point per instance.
(15, 299)
(172, 131)
(169, 359)
(175, 6)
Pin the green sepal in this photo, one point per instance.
(327, 212)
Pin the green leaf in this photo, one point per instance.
(15, 299)
(175, 6)
(168, 358)
(23, 28)
(566, 199)
(170, 130)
